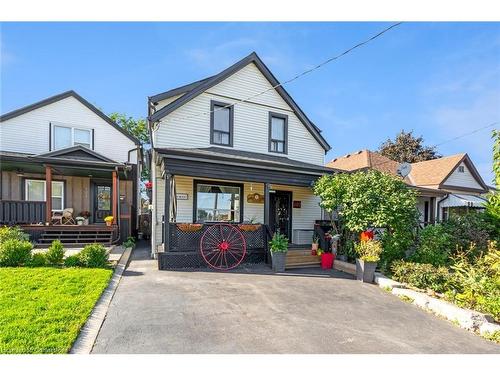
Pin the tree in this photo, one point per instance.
(407, 148)
(138, 128)
(493, 204)
(369, 199)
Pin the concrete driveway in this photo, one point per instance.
(247, 312)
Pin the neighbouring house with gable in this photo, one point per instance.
(249, 164)
(450, 185)
(62, 160)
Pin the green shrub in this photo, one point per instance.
(130, 242)
(37, 260)
(423, 276)
(13, 233)
(14, 253)
(94, 256)
(395, 247)
(434, 245)
(476, 283)
(55, 254)
(72, 261)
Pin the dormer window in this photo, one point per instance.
(278, 133)
(461, 169)
(67, 136)
(221, 124)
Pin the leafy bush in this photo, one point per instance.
(14, 253)
(72, 261)
(13, 233)
(434, 245)
(279, 243)
(130, 242)
(476, 284)
(94, 256)
(37, 260)
(423, 276)
(369, 251)
(55, 254)
(394, 247)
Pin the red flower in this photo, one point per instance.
(367, 235)
(149, 185)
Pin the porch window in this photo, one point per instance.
(65, 136)
(35, 190)
(278, 133)
(216, 202)
(221, 124)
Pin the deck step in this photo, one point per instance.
(300, 258)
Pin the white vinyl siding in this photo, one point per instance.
(29, 132)
(251, 120)
(303, 218)
(463, 179)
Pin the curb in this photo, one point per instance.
(88, 334)
(467, 319)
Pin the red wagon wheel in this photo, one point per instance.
(223, 247)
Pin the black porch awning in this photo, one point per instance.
(219, 163)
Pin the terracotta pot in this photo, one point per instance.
(108, 223)
(314, 247)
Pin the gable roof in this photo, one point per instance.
(77, 152)
(437, 171)
(364, 159)
(64, 95)
(192, 90)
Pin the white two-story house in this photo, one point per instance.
(63, 155)
(236, 149)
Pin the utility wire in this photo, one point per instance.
(469, 133)
(294, 78)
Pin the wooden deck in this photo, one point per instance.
(301, 258)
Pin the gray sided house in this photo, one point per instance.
(232, 149)
(65, 166)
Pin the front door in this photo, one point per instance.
(102, 201)
(280, 216)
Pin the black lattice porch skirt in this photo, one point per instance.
(185, 260)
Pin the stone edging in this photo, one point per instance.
(88, 334)
(465, 318)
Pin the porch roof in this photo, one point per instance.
(226, 164)
(254, 158)
(463, 200)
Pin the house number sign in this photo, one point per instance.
(181, 196)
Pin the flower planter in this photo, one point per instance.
(278, 261)
(249, 227)
(365, 271)
(187, 227)
(108, 223)
(327, 261)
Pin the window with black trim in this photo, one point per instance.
(221, 124)
(67, 136)
(217, 202)
(278, 133)
(461, 169)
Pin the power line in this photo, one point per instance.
(294, 78)
(465, 134)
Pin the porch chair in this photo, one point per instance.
(64, 217)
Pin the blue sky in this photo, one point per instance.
(439, 79)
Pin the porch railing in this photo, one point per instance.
(22, 212)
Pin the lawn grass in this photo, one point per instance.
(43, 309)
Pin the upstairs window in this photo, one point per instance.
(221, 124)
(278, 133)
(461, 169)
(65, 136)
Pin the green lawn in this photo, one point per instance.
(43, 309)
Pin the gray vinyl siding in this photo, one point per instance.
(463, 179)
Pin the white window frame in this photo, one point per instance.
(461, 169)
(73, 128)
(45, 191)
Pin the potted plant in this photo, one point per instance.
(368, 253)
(279, 247)
(85, 215)
(315, 245)
(79, 220)
(109, 220)
(327, 258)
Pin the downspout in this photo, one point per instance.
(118, 208)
